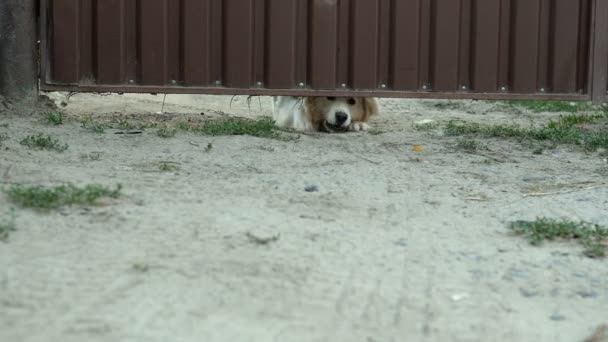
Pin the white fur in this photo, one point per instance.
(289, 112)
(359, 126)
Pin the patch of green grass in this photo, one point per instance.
(46, 198)
(92, 126)
(566, 130)
(261, 128)
(549, 106)
(53, 118)
(264, 128)
(468, 145)
(43, 142)
(577, 119)
(593, 237)
(166, 132)
(7, 226)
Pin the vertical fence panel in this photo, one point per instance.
(445, 44)
(281, 35)
(405, 44)
(65, 41)
(525, 44)
(486, 45)
(152, 49)
(238, 50)
(86, 59)
(565, 46)
(323, 44)
(599, 57)
(110, 41)
(364, 49)
(196, 40)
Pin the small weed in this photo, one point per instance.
(183, 126)
(168, 167)
(93, 126)
(7, 226)
(45, 198)
(43, 142)
(94, 156)
(549, 106)
(426, 125)
(166, 132)
(592, 236)
(262, 241)
(468, 145)
(141, 267)
(448, 105)
(126, 125)
(3, 138)
(53, 118)
(267, 148)
(538, 151)
(375, 131)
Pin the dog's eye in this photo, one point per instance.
(352, 102)
(331, 98)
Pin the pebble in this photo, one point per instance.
(557, 317)
(587, 294)
(312, 188)
(528, 293)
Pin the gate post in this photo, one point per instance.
(599, 52)
(18, 50)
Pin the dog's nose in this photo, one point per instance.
(341, 118)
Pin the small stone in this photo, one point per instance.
(312, 188)
(587, 294)
(557, 317)
(528, 293)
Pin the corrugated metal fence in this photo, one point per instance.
(411, 48)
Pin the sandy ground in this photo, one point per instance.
(396, 245)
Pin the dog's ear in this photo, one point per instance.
(371, 106)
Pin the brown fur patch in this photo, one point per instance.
(317, 109)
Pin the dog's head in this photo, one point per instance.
(338, 113)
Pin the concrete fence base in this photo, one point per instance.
(18, 50)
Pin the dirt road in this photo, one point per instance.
(387, 244)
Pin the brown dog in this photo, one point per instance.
(328, 114)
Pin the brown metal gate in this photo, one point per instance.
(540, 49)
